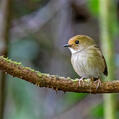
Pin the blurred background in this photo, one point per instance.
(33, 32)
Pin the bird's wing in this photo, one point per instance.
(100, 53)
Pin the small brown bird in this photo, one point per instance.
(87, 59)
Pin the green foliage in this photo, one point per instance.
(97, 112)
(72, 98)
(113, 23)
(93, 6)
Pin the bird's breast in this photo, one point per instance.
(79, 61)
(87, 65)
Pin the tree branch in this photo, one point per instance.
(5, 24)
(52, 81)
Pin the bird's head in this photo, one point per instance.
(79, 42)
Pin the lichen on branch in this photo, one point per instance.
(56, 82)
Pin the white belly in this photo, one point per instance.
(82, 68)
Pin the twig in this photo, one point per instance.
(56, 82)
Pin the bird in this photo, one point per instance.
(87, 58)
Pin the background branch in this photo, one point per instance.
(51, 81)
(5, 24)
(33, 22)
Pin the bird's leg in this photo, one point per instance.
(81, 81)
(98, 83)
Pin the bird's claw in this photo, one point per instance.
(98, 83)
(81, 81)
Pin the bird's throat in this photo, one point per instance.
(76, 51)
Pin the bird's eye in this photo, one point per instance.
(76, 42)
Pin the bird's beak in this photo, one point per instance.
(67, 45)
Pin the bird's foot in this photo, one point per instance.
(98, 83)
(81, 81)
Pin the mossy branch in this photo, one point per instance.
(56, 82)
